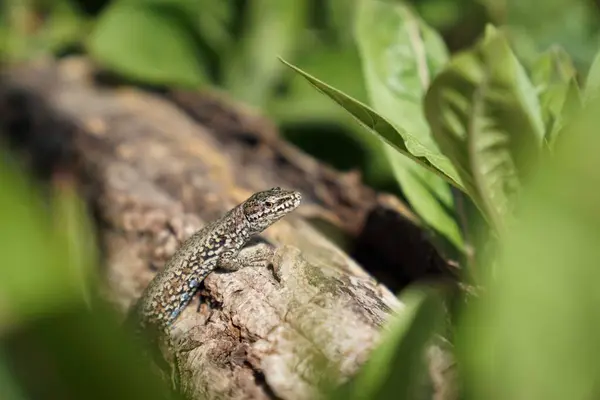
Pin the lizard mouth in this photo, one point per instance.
(287, 203)
(292, 201)
(264, 208)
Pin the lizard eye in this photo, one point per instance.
(268, 203)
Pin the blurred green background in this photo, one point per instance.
(234, 45)
(418, 69)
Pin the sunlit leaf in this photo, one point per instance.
(146, 43)
(400, 56)
(396, 137)
(302, 106)
(485, 115)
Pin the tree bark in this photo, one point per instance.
(157, 166)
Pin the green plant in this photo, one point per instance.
(497, 126)
(476, 121)
(518, 141)
(52, 315)
(233, 46)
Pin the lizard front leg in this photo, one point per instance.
(259, 255)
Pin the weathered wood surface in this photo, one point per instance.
(156, 168)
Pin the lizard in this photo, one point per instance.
(218, 245)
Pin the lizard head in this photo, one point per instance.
(264, 208)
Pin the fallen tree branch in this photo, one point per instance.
(155, 174)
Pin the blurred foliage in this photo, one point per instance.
(482, 113)
(58, 339)
(532, 335)
(397, 368)
(400, 55)
(513, 135)
(233, 45)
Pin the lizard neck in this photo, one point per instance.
(241, 226)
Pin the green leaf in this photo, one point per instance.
(36, 277)
(302, 105)
(378, 125)
(209, 19)
(531, 334)
(592, 83)
(341, 15)
(571, 105)
(43, 315)
(213, 19)
(75, 234)
(485, 115)
(571, 24)
(428, 194)
(554, 77)
(400, 55)
(553, 65)
(149, 44)
(93, 356)
(396, 367)
(274, 29)
(64, 26)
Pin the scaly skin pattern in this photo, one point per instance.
(217, 245)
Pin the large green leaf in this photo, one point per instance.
(400, 55)
(485, 115)
(395, 136)
(532, 334)
(396, 368)
(273, 29)
(149, 43)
